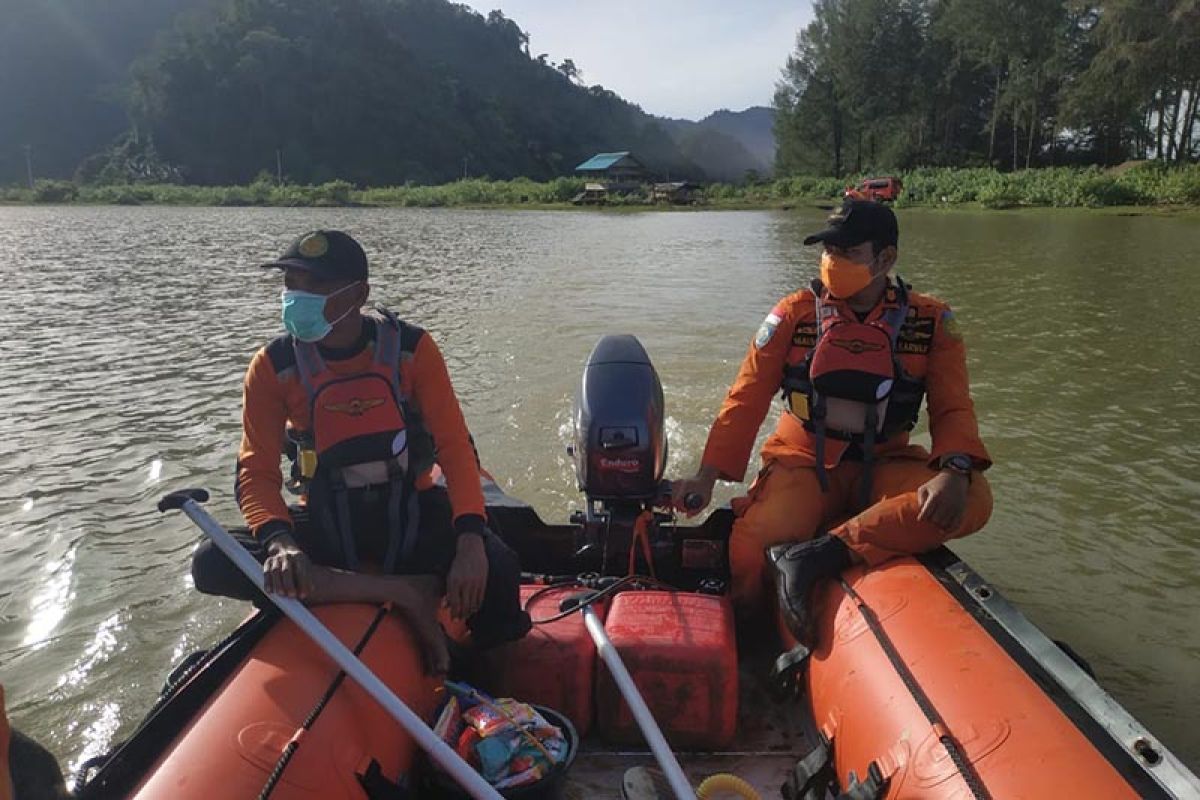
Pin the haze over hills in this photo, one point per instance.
(372, 91)
(728, 144)
(753, 128)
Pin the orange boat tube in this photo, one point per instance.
(927, 680)
(267, 715)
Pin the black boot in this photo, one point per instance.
(798, 568)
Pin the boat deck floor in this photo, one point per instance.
(770, 738)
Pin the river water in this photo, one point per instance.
(126, 331)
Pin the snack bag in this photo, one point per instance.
(450, 723)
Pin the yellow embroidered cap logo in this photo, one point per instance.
(314, 245)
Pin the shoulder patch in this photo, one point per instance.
(767, 330)
(950, 325)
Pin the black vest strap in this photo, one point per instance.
(818, 421)
(868, 453)
(342, 523)
(402, 532)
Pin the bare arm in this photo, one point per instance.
(414, 597)
(340, 586)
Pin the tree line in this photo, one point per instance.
(375, 92)
(1011, 84)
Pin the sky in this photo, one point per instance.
(674, 58)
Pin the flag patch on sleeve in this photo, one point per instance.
(767, 330)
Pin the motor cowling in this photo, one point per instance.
(620, 442)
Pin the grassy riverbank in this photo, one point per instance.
(1062, 187)
(1146, 185)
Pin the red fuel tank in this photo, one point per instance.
(554, 665)
(681, 652)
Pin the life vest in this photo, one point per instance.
(364, 433)
(850, 384)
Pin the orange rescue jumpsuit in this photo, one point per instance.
(786, 504)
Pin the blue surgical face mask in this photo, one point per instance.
(304, 313)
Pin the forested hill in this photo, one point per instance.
(63, 68)
(371, 91)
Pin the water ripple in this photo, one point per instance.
(127, 332)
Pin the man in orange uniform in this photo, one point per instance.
(367, 403)
(853, 357)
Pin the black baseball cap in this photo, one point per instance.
(860, 221)
(327, 255)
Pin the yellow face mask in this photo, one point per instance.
(844, 277)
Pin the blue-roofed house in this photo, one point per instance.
(616, 169)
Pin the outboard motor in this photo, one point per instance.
(620, 452)
(619, 445)
(620, 441)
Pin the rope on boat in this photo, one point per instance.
(953, 748)
(641, 535)
(293, 745)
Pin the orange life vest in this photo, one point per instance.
(364, 433)
(850, 383)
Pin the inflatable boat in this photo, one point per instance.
(925, 683)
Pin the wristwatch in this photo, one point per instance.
(958, 462)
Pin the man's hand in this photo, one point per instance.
(943, 500)
(701, 485)
(287, 570)
(468, 577)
